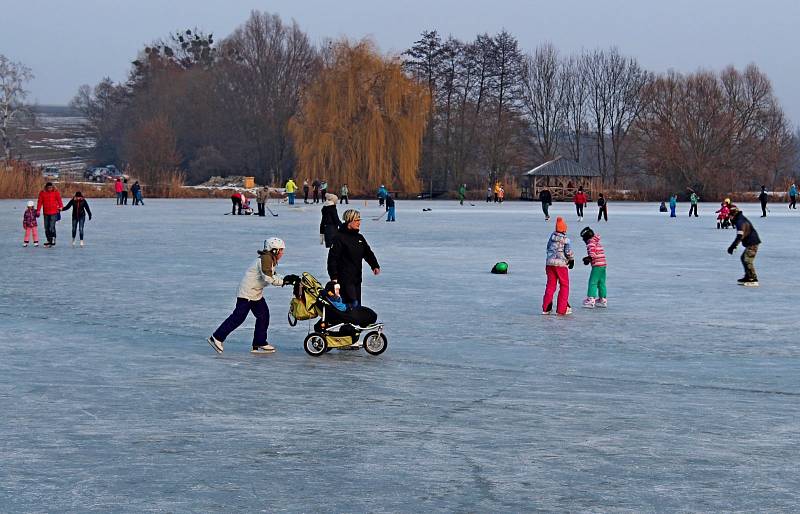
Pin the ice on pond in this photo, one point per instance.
(682, 395)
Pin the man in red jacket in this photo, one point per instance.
(50, 202)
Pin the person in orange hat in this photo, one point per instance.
(560, 259)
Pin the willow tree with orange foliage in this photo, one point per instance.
(361, 121)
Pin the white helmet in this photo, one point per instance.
(30, 203)
(274, 243)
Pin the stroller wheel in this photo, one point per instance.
(315, 344)
(375, 343)
(292, 319)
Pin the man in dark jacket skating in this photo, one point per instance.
(547, 200)
(349, 248)
(747, 235)
(763, 198)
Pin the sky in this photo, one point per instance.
(70, 43)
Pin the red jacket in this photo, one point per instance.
(118, 186)
(50, 201)
(581, 198)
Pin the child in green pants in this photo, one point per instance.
(596, 294)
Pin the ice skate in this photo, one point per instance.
(36, 243)
(752, 282)
(215, 344)
(588, 303)
(263, 349)
(81, 242)
(742, 280)
(568, 312)
(601, 303)
(73, 241)
(24, 244)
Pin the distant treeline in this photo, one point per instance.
(264, 101)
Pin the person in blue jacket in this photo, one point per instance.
(382, 192)
(673, 204)
(793, 197)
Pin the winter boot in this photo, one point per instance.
(215, 344)
(588, 303)
(602, 303)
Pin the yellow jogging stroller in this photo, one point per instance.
(335, 329)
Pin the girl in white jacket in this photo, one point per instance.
(250, 298)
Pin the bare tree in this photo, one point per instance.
(13, 77)
(266, 65)
(505, 90)
(545, 97)
(575, 95)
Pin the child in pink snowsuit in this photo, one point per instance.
(722, 214)
(29, 224)
(560, 259)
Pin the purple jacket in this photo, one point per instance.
(29, 218)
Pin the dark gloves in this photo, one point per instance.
(587, 260)
(731, 248)
(291, 280)
(571, 263)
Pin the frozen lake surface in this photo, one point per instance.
(684, 395)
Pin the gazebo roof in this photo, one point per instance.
(561, 167)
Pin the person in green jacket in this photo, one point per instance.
(693, 198)
(344, 192)
(462, 193)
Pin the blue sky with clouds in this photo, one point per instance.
(69, 43)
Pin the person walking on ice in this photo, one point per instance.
(793, 196)
(390, 208)
(693, 199)
(602, 211)
(596, 293)
(747, 235)
(29, 224)
(673, 204)
(250, 298)
(80, 208)
(291, 187)
(580, 202)
(560, 260)
(763, 198)
(50, 203)
(349, 248)
(462, 193)
(547, 200)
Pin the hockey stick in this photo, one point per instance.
(270, 210)
(381, 216)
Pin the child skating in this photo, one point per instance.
(596, 294)
(250, 298)
(722, 214)
(560, 260)
(29, 224)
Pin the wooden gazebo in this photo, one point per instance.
(562, 177)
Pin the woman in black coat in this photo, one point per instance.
(330, 223)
